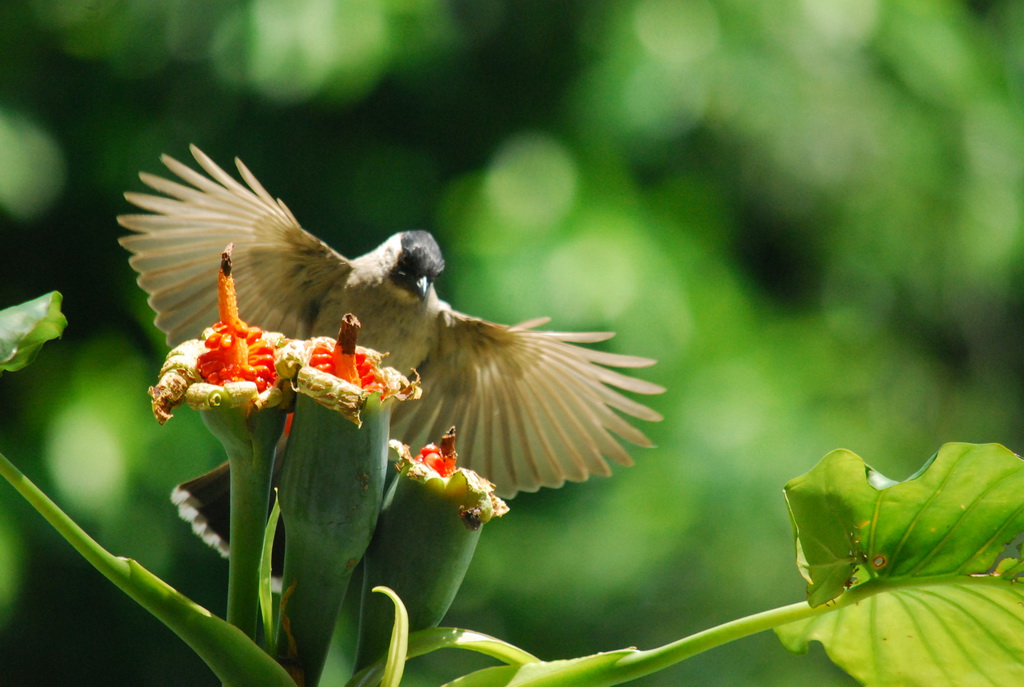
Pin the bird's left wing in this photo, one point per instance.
(532, 409)
(281, 271)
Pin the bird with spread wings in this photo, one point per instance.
(532, 407)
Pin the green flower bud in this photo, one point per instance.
(425, 539)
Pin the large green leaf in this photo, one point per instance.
(932, 597)
(25, 328)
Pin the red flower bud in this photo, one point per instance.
(440, 459)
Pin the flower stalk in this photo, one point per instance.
(332, 485)
(251, 469)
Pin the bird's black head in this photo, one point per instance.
(419, 263)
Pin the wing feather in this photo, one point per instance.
(575, 464)
(532, 408)
(281, 271)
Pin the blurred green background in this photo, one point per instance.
(808, 210)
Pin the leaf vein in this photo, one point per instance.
(940, 623)
(894, 556)
(952, 532)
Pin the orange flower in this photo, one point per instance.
(235, 352)
(345, 360)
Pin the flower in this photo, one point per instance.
(235, 352)
(343, 359)
(435, 468)
(233, 365)
(341, 376)
(231, 374)
(332, 479)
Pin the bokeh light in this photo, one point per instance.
(32, 175)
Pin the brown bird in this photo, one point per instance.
(532, 408)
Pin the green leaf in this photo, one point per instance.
(826, 529)
(394, 665)
(25, 328)
(266, 593)
(933, 597)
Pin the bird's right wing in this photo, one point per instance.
(531, 408)
(281, 271)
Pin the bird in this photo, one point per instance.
(533, 407)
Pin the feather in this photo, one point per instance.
(532, 408)
(177, 249)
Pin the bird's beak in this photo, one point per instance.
(422, 285)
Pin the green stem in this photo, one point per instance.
(640, 663)
(250, 440)
(243, 565)
(645, 662)
(230, 654)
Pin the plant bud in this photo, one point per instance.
(425, 538)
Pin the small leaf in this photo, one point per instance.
(425, 641)
(825, 528)
(266, 593)
(25, 328)
(933, 599)
(394, 666)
